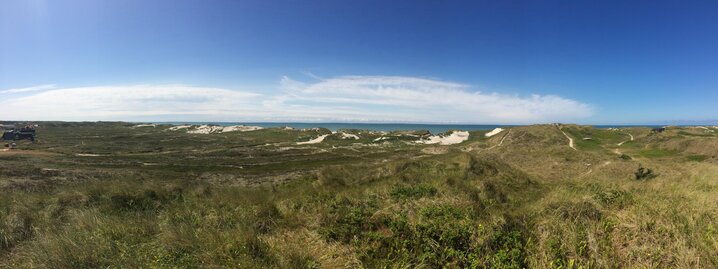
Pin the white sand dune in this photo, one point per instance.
(349, 136)
(205, 129)
(494, 132)
(210, 129)
(455, 137)
(145, 125)
(706, 129)
(310, 129)
(314, 141)
(240, 128)
(180, 127)
(87, 155)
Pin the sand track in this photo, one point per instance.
(570, 140)
(619, 144)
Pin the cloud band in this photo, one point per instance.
(349, 98)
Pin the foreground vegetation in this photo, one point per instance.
(91, 195)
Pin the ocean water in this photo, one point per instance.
(433, 128)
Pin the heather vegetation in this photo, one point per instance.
(110, 195)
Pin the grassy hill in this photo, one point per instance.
(90, 195)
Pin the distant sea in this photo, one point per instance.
(433, 128)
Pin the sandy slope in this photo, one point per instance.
(314, 141)
(455, 137)
(494, 132)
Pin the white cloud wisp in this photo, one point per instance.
(349, 98)
(131, 103)
(418, 99)
(30, 89)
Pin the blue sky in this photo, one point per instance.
(595, 62)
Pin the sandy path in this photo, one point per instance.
(503, 138)
(619, 144)
(314, 141)
(500, 142)
(570, 140)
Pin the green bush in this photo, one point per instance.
(442, 238)
(347, 220)
(614, 198)
(644, 173)
(442, 212)
(509, 250)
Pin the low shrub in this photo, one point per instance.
(441, 238)
(644, 173)
(401, 192)
(267, 218)
(509, 250)
(614, 198)
(15, 228)
(347, 220)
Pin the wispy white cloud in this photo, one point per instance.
(131, 102)
(30, 89)
(418, 99)
(350, 98)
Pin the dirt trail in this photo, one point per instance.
(619, 144)
(500, 142)
(503, 138)
(570, 140)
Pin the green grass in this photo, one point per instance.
(696, 158)
(596, 137)
(656, 153)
